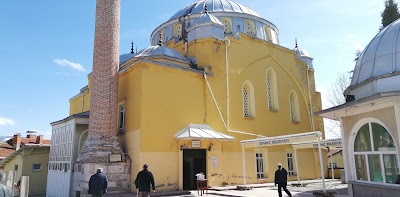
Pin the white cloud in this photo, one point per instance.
(6, 121)
(64, 62)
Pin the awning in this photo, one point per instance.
(280, 140)
(201, 131)
(330, 143)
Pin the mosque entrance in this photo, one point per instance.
(194, 162)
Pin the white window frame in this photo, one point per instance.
(294, 107)
(290, 160)
(121, 131)
(251, 110)
(272, 90)
(37, 169)
(334, 165)
(355, 131)
(260, 165)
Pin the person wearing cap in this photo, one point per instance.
(281, 180)
(143, 181)
(98, 183)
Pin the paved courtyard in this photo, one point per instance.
(263, 190)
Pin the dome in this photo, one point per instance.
(206, 19)
(233, 16)
(125, 57)
(214, 6)
(378, 66)
(301, 52)
(160, 51)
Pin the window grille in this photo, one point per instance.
(260, 165)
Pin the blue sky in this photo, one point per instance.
(46, 46)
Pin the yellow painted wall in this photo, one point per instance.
(10, 167)
(160, 101)
(37, 179)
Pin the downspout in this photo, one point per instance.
(186, 48)
(83, 101)
(309, 96)
(227, 44)
(215, 101)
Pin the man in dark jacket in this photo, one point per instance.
(281, 180)
(143, 181)
(98, 184)
(398, 179)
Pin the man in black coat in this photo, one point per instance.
(143, 181)
(98, 184)
(281, 180)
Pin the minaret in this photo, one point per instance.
(102, 138)
(101, 148)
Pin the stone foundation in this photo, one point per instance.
(117, 173)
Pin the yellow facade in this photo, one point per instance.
(161, 100)
(25, 161)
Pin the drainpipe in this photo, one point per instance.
(227, 44)
(309, 96)
(186, 48)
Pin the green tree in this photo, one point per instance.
(390, 13)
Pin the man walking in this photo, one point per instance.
(143, 181)
(281, 180)
(98, 183)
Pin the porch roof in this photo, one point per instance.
(201, 131)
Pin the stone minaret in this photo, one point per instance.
(102, 137)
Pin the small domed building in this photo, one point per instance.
(214, 75)
(370, 118)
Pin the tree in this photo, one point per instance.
(390, 13)
(335, 96)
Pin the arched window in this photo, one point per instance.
(268, 35)
(375, 154)
(272, 90)
(227, 25)
(248, 100)
(250, 28)
(178, 30)
(294, 107)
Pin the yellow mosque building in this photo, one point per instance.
(214, 75)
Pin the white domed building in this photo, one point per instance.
(370, 118)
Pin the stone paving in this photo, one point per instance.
(265, 190)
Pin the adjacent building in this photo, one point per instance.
(29, 157)
(214, 75)
(370, 119)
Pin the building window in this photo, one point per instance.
(294, 107)
(272, 90)
(160, 39)
(248, 100)
(227, 25)
(267, 33)
(334, 164)
(250, 28)
(260, 166)
(121, 119)
(290, 164)
(375, 154)
(36, 167)
(178, 30)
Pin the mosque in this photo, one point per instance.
(215, 74)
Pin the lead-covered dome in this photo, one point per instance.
(378, 67)
(234, 17)
(214, 6)
(161, 51)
